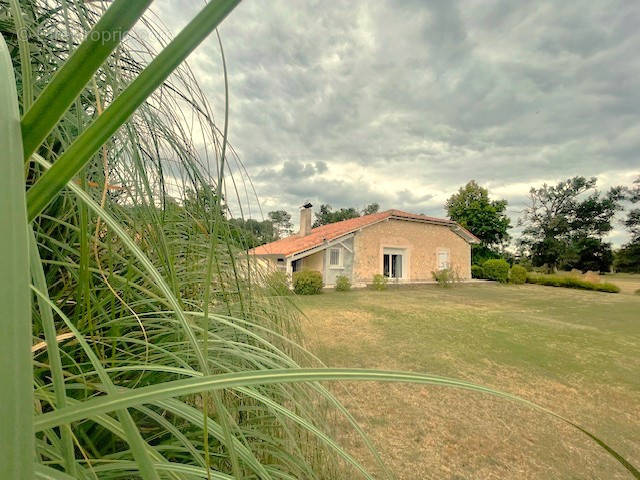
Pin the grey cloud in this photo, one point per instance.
(400, 102)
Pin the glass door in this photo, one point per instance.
(392, 265)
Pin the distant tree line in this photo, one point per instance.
(245, 233)
(563, 226)
(252, 233)
(327, 215)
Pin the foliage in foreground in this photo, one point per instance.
(153, 350)
(570, 281)
(278, 283)
(137, 281)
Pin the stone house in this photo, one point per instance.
(405, 247)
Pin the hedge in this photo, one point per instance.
(518, 275)
(477, 271)
(307, 282)
(568, 281)
(496, 269)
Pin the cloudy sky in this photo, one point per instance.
(402, 102)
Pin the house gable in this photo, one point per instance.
(419, 244)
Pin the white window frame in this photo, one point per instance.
(404, 252)
(447, 263)
(340, 258)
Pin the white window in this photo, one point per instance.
(443, 259)
(335, 257)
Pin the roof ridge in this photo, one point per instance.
(318, 235)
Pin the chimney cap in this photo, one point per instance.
(307, 205)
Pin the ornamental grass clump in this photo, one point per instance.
(571, 281)
(379, 282)
(445, 277)
(278, 283)
(138, 337)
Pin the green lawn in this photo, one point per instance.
(576, 352)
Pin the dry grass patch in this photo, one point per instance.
(563, 349)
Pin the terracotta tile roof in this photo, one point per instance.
(317, 236)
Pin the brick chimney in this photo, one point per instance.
(305, 219)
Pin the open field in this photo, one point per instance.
(575, 352)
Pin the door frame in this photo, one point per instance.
(406, 260)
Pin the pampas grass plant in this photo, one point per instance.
(138, 338)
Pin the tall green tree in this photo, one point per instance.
(632, 221)
(485, 218)
(628, 257)
(251, 233)
(371, 208)
(564, 224)
(281, 221)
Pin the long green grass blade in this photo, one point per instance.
(16, 394)
(25, 55)
(46, 473)
(57, 373)
(172, 300)
(81, 150)
(134, 438)
(76, 72)
(188, 386)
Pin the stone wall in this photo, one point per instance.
(420, 241)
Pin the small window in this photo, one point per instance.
(335, 257)
(443, 259)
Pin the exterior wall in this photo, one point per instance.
(270, 262)
(330, 273)
(315, 261)
(420, 241)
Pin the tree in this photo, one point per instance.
(632, 221)
(564, 224)
(281, 221)
(371, 208)
(251, 233)
(589, 253)
(628, 257)
(485, 218)
(326, 215)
